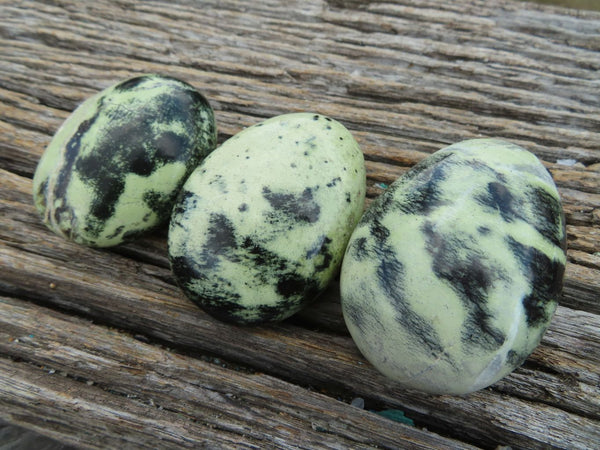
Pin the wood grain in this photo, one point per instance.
(407, 77)
(180, 401)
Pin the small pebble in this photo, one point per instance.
(358, 403)
(566, 162)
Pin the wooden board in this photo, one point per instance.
(100, 349)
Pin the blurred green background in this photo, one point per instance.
(579, 4)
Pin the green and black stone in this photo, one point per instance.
(115, 167)
(453, 274)
(261, 225)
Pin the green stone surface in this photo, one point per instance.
(453, 274)
(114, 168)
(261, 225)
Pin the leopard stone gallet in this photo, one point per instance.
(453, 274)
(261, 225)
(115, 167)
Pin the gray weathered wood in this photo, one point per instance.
(207, 403)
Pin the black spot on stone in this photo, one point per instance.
(294, 288)
(390, 270)
(185, 201)
(358, 249)
(220, 243)
(379, 232)
(390, 276)
(107, 178)
(378, 209)
(498, 198)
(295, 207)
(333, 182)
(243, 207)
(214, 295)
(470, 274)
(187, 107)
(328, 119)
(132, 235)
(42, 191)
(141, 164)
(316, 117)
(199, 102)
(266, 313)
(548, 217)
(290, 285)
(220, 182)
(72, 149)
(169, 145)
(160, 203)
(348, 197)
(325, 252)
(221, 235)
(182, 267)
(425, 165)
(311, 143)
(314, 251)
(426, 194)
(260, 256)
(222, 306)
(484, 230)
(515, 359)
(117, 232)
(545, 277)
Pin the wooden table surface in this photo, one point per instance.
(100, 349)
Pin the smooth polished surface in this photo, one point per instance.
(114, 168)
(261, 226)
(453, 274)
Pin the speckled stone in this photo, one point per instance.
(261, 225)
(452, 276)
(114, 168)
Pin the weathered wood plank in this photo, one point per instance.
(209, 402)
(92, 418)
(450, 93)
